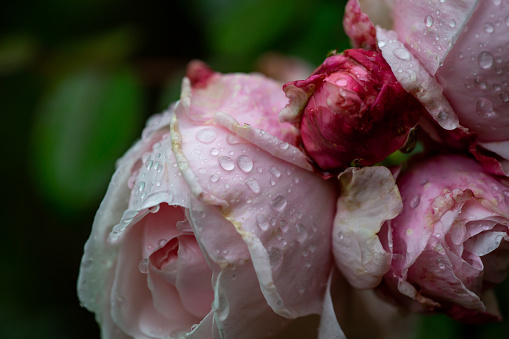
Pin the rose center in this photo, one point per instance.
(165, 255)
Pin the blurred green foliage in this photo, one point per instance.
(77, 81)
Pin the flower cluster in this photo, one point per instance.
(234, 213)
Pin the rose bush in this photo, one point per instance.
(441, 246)
(453, 56)
(206, 230)
(351, 110)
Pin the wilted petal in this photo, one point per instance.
(369, 197)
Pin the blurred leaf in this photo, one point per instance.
(438, 326)
(16, 52)
(104, 49)
(85, 123)
(244, 26)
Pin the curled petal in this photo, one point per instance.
(369, 197)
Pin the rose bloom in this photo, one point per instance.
(453, 56)
(441, 250)
(206, 229)
(451, 241)
(351, 110)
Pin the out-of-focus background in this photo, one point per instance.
(78, 79)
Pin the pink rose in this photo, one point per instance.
(351, 110)
(452, 55)
(439, 243)
(206, 230)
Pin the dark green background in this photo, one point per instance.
(78, 79)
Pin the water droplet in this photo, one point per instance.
(262, 222)
(162, 242)
(245, 163)
(484, 108)
(148, 165)
(401, 53)
(284, 145)
(497, 2)
(284, 226)
(206, 135)
(253, 185)
(156, 146)
(158, 183)
(275, 257)
(214, 151)
(415, 201)
(139, 187)
(214, 178)
(221, 305)
(143, 266)
(428, 21)
(506, 194)
(441, 265)
(452, 23)
(504, 97)
(202, 171)
(485, 59)
(226, 163)
(381, 43)
(489, 27)
(234, 139)
(507, 20)
(279, 203)
(275, 172)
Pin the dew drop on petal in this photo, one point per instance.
(497, 2)
(452, 23)
(428, 21)
(279, 203)
(253, 185)
(275, 172)
(143, 266)
(214, 178)
(275, 257)
(381, 43)
(489, 27)
(415, 201)
(484, 108)
(245, 163)
(262, 222)
(226, 163)
(206, 135)
(284, 145)
(214, 151)
(504, 97)
(284, 226)
(401, 53)
(485, 59)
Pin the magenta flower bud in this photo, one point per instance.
(450, 242)
(351, 110)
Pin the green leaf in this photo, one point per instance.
(84, 123)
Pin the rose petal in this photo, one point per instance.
(429, 29)
(475, 71)
(414, 78)
(369, 197)
(251, 98)
(232, 279)
(98, 258)
(358, 27)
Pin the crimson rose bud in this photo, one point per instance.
(351, 110)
